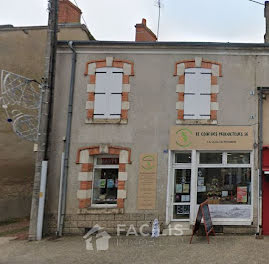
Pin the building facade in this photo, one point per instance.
(158, 128)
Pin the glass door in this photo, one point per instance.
(182, 194)
(181, 186)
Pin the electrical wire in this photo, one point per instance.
(256, 2)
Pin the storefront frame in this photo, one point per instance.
(172, 166)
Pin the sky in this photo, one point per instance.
(181, 20)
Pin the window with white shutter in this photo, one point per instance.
(108, 92)
(197, 93)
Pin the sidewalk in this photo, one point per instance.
(168, 250)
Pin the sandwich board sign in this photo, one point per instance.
(203, 213)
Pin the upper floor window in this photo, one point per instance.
(108, 93)
(197, 93)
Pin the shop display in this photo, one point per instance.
(242, 194)
(224, 185)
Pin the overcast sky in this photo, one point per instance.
(181, 20)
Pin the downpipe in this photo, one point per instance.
(63, 184)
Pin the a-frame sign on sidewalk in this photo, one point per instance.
(203, 213)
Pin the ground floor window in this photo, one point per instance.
(224, 178)
(105, 183)
(224, 185)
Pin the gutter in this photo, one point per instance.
(63, 183)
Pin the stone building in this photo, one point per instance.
(157, 129)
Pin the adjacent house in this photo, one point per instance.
(22, 52)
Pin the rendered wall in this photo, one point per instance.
(152, 112)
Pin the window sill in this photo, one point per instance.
(106, 121)
(98, 210)
(197, 122)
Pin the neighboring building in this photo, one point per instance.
(22, 51)
(158, 128)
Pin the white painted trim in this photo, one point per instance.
(85, 176)
(123, 176)
(168, 190)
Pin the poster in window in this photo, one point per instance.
(201, 188)
(178, 188)
(110, 183)
(242, 194)
(201, 181)
(186, 188)
(102, 183)
(185, 198)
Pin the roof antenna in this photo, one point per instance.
(159, 5)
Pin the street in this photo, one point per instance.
(72, 249)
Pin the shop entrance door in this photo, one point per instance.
(181, 194)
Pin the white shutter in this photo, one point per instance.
(108, 92)
(100, 104)
(115, 105)
(197, 93)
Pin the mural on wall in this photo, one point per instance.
(20, 100)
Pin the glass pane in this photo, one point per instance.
(183, 158)
(182, 186)
(224, 185)
(238, 158)
(105, 186)
(181, 212)
(210, 158)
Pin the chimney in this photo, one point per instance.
(266, 15)
(143, 33)
(68, 12)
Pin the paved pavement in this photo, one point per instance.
(168, 250)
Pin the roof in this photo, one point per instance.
(66, 25)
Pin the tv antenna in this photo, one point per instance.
(256, 2)
(159, 4)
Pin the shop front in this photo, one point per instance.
(213, 163)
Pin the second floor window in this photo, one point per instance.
(197, 93)
(108, 93)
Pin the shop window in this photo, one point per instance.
(105, 183)
(197, 93)
(238, 158)
(108, 93)
(225, 183)
(211, 158)
(183, 157)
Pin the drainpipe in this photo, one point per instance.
(260, 143)
(62, 203)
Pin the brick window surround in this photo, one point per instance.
(216, 72)
(128, 70)
(85, 157)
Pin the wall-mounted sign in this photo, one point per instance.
(147, 181)
(211, 138)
